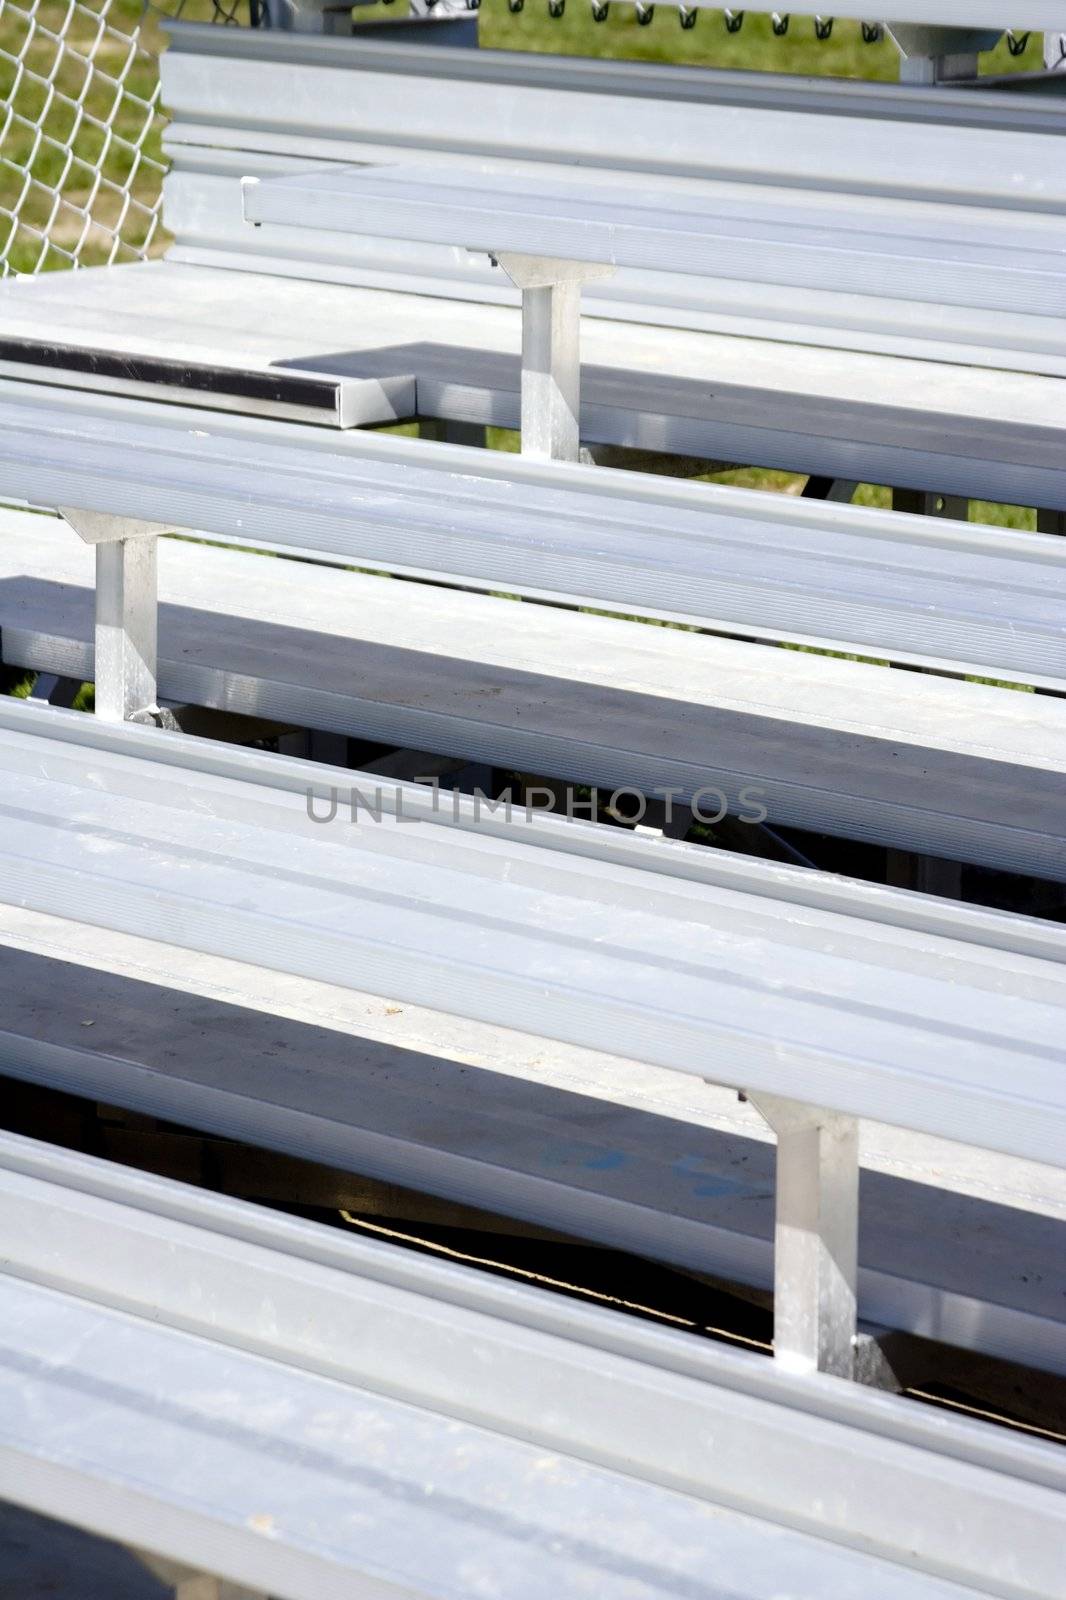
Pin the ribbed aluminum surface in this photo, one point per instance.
(395, 1098)
(416, 1424)
(904, 759)
(715, 134)
(932, 1016)
(766, 565)
(849, 245)
(340, 100)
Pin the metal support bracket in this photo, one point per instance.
(816, 1235)
(920, 503)
(839, 490)
(56, 690)
(126, 613)
(449, 430)
(551, 358)
(932, 54)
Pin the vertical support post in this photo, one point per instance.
(127, 605)
(934, 54)
(56, 690)
(126, 611)
(819, 487)
(924, 874)
(309, 16)
(920, 503)
(816, 1235)
(551, 371)
(551, 353)
(929, 70)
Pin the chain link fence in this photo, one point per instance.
(81, 163)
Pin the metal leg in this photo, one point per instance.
(841, 490)
(329, 748)
(551, 361)
(922, 504)
(936, 54)
(668, 819)
(126, 612)
(56, 690)
(551, 371)
(925, 874)
(929, 70)
(816, 1235)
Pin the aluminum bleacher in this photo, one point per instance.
(918, 762)
(971, 599)
(318, 1415)
(418, 321)
(311, 1413)
(552, 236)
(417, 1115)
(188, 835)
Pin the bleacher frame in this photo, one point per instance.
(456, 1403)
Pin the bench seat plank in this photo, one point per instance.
(249, 1469)
(690, 1185)
(880, 583)
(900, 759)
(898, 1007)
(220, 1384)
(945, 425)
(850, 244)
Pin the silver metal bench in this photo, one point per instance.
(820, 380)
(964, 599)
(913, 761)
(552, 236)
(118, 826)
(444, 1115)
(317, 1415)
(213, 850)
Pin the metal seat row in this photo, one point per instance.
(818, 377)
(911, 761)
(976, 600)
(453, 1404)
(316, 1415)
(824, 999)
